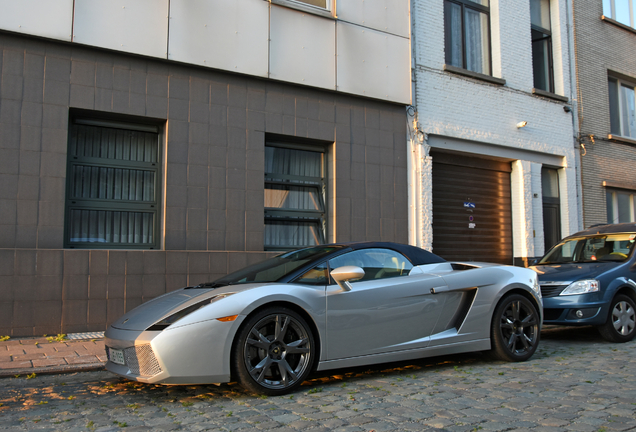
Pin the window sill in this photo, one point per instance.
(621, 139)
(549, 95)
(618, 24)
(476, 75)
(304, 8)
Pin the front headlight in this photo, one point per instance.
(169, 320)
(583, 286)
(536, 287)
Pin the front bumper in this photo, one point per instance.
(574, 310)
(191, 354)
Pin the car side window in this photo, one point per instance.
(316, 276)
(377, 263)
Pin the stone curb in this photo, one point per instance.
(52, 370)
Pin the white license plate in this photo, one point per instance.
(116, 356)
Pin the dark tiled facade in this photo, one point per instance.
(214, 127)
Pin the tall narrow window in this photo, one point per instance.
(294, 196)
(112, 185)
(467, 34)
(551, 207)
(622, 108)
(623, 11)
(542, 65)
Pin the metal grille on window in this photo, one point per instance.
(294, 198)
(112, 187)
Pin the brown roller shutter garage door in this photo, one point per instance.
(472, 213)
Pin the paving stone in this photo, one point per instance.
(585, 385)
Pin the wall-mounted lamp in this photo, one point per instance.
(567, 109)
(522, 124)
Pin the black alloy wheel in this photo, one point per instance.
(514, 332)
(621, 320)
(274, 352)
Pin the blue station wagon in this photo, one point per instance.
(589, 278)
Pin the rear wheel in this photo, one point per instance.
(621, 321)
(514, 332)
(274, 352)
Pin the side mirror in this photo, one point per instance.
(342, 275)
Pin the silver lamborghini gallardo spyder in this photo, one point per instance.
(269, 325)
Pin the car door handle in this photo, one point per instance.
(440, 289)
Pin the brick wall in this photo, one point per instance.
(601, 47)
(464, 108)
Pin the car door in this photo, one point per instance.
(387, 310)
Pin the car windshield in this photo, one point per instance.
(599, 247)
(276, 268)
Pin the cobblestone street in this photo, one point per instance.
(575, 382)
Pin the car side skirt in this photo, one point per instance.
(453, 348)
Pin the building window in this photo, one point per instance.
(622, 108)
(620, 206)
(467, 34)
(113, 185)
(318, 3)
(551, 207)
(319, 7)
(541, 45)
(623, 11)
(294, 196)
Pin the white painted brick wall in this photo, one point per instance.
(455, 106)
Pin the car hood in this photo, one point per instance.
(147, 314)
(572, 272)
(152, 311)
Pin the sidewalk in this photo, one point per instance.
(78, 352)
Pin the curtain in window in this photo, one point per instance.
(109, 187)
(291, 234)
(620, 206)
(105, 226)
(281, 163)
(112, 183)
(108, 143)
(628, 112)
(293, 198)
(477, 58)
(453, 32)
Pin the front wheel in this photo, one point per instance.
(620, 325)
(514, 331)
(274, 351)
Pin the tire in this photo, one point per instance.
(621, 320)
(514, 332)
(274, 352)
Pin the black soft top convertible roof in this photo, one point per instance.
(416, 255)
